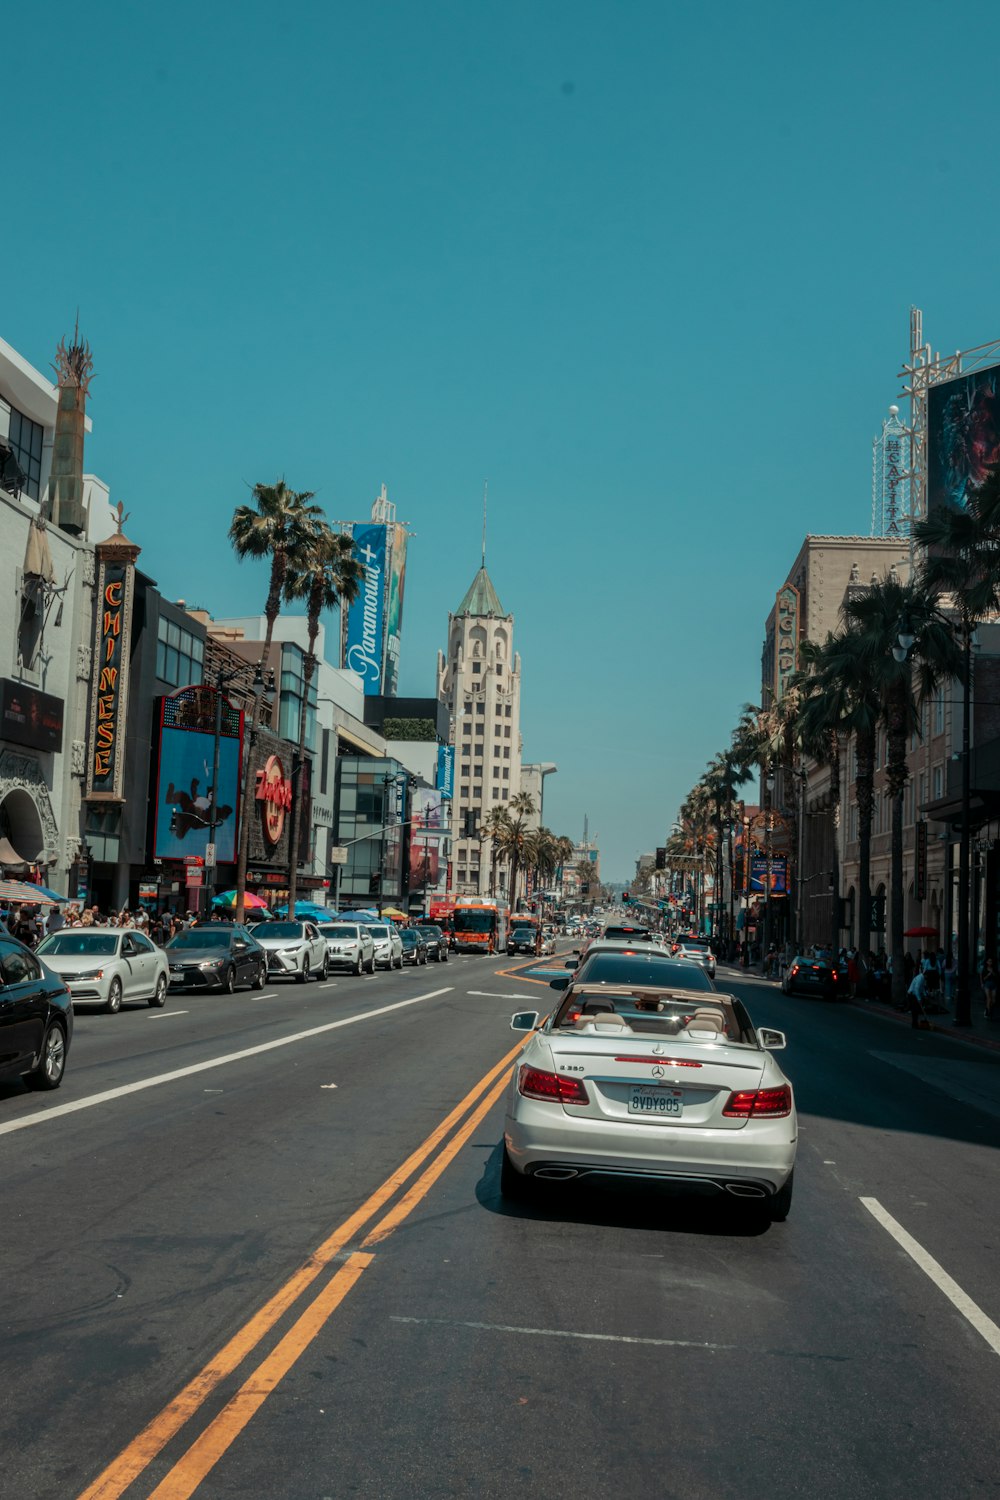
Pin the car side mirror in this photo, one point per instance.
(239, 945)
(524, 1020)
(571, 963)
(561, 982)
(772, 1041)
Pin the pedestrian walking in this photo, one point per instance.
(989, 983)
(915, 995)
(948, 972)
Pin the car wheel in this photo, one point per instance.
(371, 966)
(356, 967)
(159, 995)
(513, 1184)
(781, 1202)
(400, 964)
(48, 1074)
(113, 1003)
(324, 971)
(303, 973)
(229, 980)
(260, 979)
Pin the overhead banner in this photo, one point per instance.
(364, 641)
(426, 832)
(786, 638)
(109, 680)
(394, 616)
(446, 771)
(963, 436)
(766, 872)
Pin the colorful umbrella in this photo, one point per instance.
(250, 901)
(31, 895)
(921, 932)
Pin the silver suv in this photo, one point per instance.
(349, 946)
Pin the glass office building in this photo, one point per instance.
(369, 817)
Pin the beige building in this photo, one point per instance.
(480, 681)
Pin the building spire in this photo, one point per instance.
(486, 485)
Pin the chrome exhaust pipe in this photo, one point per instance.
(745, 1190)
(556, 1174)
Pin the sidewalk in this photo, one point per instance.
(982, 1033)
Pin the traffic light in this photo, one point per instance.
(661, 859)
(374, 884)
(471, 826)
(626, 898)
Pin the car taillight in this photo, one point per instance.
(795, 968)
(757, 1102)
(536, 1083)
(833, 973)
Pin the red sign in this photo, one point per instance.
(194, 876)
(275, 795)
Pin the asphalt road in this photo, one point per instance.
(254, 1247)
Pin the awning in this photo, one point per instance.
(37, 557)
(984, 807)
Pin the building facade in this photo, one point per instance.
(479, 681)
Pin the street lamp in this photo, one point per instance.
(768, 788)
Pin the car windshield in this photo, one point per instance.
(278, 930)
(524, 932)
(201, 937)
(339, 930)
(79, 944)
(408, 937)
(434, 932)
(379, 932)
(633, 934)
(641, 968)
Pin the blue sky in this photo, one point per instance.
(645, 267)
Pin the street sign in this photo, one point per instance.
(338, 854)
(209, 856)
(195, 876)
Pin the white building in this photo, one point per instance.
(46, 622)
(480, 681)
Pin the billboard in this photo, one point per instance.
(184, 794)
(446, 771)
(760, 865)
(963, 435)
(364, 637)
(30, 717)
(786, 637)
(394, 609)
(426, 832)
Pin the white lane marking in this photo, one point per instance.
(494, 995)
(973, 1083)
(165, 1013)
(564, 1333)
(328, 1085)
(213, 1062)
(930, 1267)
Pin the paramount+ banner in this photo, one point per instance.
(364, 641)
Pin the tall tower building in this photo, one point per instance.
(480, 681)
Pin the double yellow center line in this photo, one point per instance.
(189, 1470)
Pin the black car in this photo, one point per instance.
(815, 976)
(523, 940)
(414, 946)
(36, 1018)
(436, 940)
(216, 956)
(611, 966)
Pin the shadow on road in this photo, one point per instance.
(654, 1208)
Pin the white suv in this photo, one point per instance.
(348, 946)
(293, 948)
(388, 945)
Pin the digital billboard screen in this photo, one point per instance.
(963, 436)
(184, 795)
(761, 868)
(426, 831)
(364, 639)
(394, 609)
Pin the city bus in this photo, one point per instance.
(479, 925)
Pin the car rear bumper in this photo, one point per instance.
(696, 1160)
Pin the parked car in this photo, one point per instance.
(437, 941)
(388, 945)
(642, 1084)
(216, 956)
(414, 946)
(36, 1017)
(295, 950)
(349, 945)
(107, 965)
(816, 976)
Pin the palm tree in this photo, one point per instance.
(324, 574)
(277, 525)
(522, 805)
(495, 827)
(539, 853)
(877, 615)
(963, 562)
(564, 853)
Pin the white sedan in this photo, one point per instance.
(107, 965)
(295, 949)
(674, 1088)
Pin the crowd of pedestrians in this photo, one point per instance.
(30, 923)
